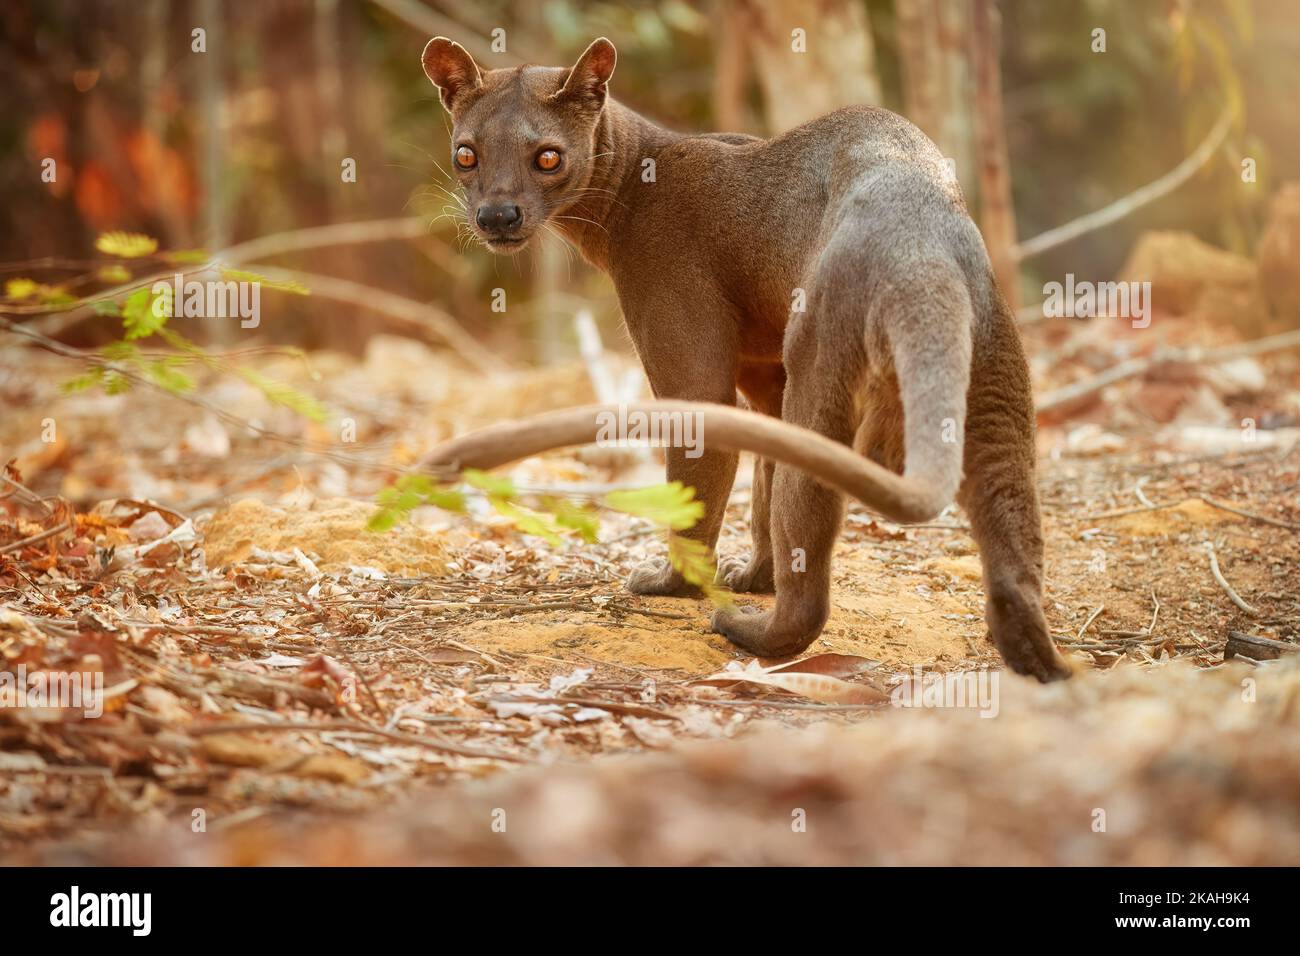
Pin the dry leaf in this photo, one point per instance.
(819, 687)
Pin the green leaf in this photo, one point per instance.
(577, 517)
(694, 562)
(671, 505)
(403, 502)
(448, 499)
(182, 344)
(188, 257)
(115, 383)
(164, 374)
(420, 484)
(120, 351)
(45, 294)
(138, 315)
(55, 295)
(286, 395)
(406, 494)
(283, 285)
(126, 245)
(527, 521)
(494, 485)
(116, 273)
(385, 519)
(92, 377)
(107, 307)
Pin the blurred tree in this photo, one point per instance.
(112, 92)
(809, 56)
(934, 60)
(997, 216)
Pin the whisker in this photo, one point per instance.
(584, 219)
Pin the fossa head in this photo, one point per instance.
(523, 139)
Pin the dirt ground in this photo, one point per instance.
(284, 685)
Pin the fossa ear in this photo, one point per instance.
(451, 69)
(588, 81)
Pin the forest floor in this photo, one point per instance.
(284, 685)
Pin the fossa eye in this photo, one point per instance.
(465, 158)
(548, 160)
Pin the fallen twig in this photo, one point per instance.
(1223, 582)
(37, 538)
(1277, 522)
(1088, 623)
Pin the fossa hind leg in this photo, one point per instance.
(919, 325)
(806, 515)
(1000, 496)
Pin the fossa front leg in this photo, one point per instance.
(763, 385)
(711, 475)
(686, 360)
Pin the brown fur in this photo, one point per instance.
(905, 342)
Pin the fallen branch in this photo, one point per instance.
(414, 319)
(1276, 522)
(1212, 502)
(1134, 200)
(21, 492)
(1131, 368)
(1256, 648)
(1088, 623)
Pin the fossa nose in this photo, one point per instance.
(499, 218)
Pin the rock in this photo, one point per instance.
(1181, 268)
(1279, 257)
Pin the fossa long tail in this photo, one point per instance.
(903, 499)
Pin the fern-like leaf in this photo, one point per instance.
(672, 505)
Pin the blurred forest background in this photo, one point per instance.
(247, 139)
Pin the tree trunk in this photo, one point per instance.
(936, 73)
(997, 215)
(731, 68)
(832, 63)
